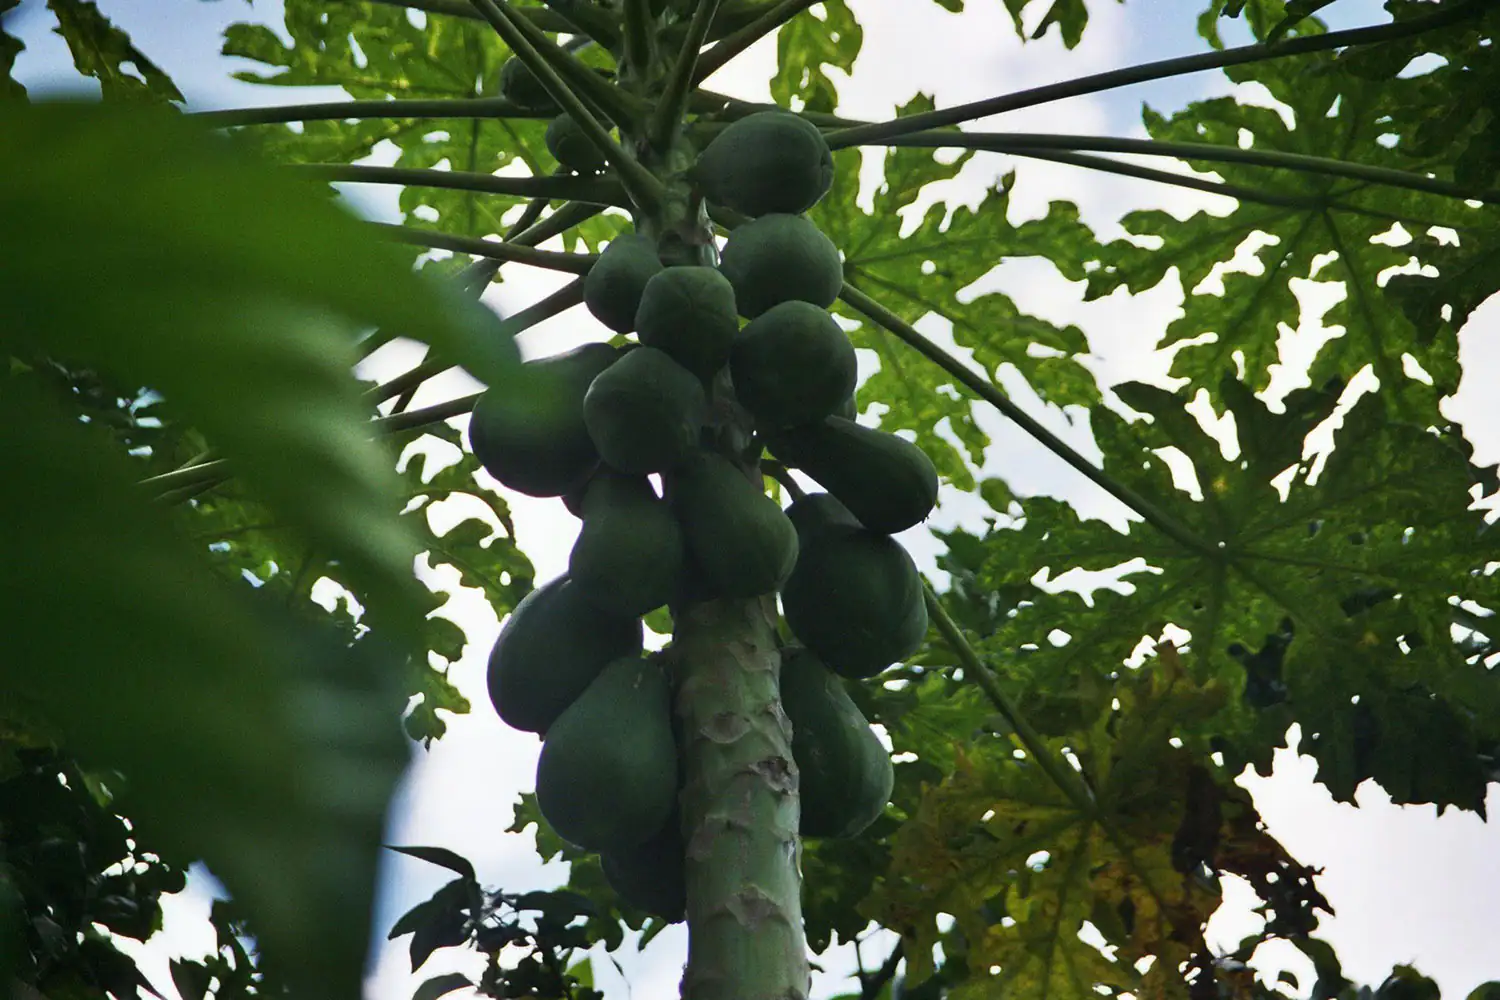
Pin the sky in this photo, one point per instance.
(1407, 885)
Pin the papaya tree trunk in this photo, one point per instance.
(739, 804)
(740, 808)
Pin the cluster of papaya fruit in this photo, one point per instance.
(594, 424)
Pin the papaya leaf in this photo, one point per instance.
(440, 856)
(1343, 237)
(243, 318)
(10, 47)
(1021, 868)
(807, 43)
(441, 986)
(1357, 569)
(375, 51)
(925, 273)
(102, 51)
(273, 749)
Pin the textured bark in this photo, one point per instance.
(740, 808)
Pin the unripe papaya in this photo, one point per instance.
(644, 413)
(651, 876)
(607, 775)
(889, 483)
(768, 162)
(848, 409)
(628, 558)
(845, 773)
(529, 433)
(855, 599)
(519, 85)
(567, 141)
(781, 258)
(817, 513)
(689, 312)
(792, 365)
(553, 645)
(739, 539)
(612, 289)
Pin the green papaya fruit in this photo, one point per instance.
(781, 258)
(855, 600)
(569, 143)
(768, 162)
(792, 365)
(553, 645)
(645, 412)
(689, 312)
(889, 483)
(529, 434)
(650, 877)
(817, 513)
(740, 541)
(519, 85)
(844, 772)
(848, 409)
(612, 288)
(607, 775)
(628, 558)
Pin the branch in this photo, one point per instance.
(871, 985)
(441, 107)
(543, 309)
(985, 390)
(1068, 781)
(544, 19)
(590, 189)
(560, 221)
(943, 117)
(412, 419)
(573, 263)
(644, 188)
(673, 100)
(189, 475)
(587, 19)
(736, 42)
(640, 37)
(1011, 142)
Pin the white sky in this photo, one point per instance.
(1408, 886)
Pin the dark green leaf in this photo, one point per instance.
(440, 856)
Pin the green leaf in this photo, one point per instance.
(440, 856)
(101, 50)
(806, 44)
(243, 315)
(441, 986)
(926, 273)
(10, 47)
(253, 739)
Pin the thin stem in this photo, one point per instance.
(1064, 777)
(577, 188)
(673, 100)
(736, 42)
(1010, 142)
(863, 303)
(190, 475)
(644, 188)
(545, 20)
(588, 85)
(870, 986)
(1120, 167)
(438, 412)
(587, 19)
(442, 107)
(943, 117)
(532, 212)
(573, 263)
(564, 218)
(552, 305)
(639, 38)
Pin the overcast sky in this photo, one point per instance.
(1408, 886)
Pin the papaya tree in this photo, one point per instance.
(1030, 788)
